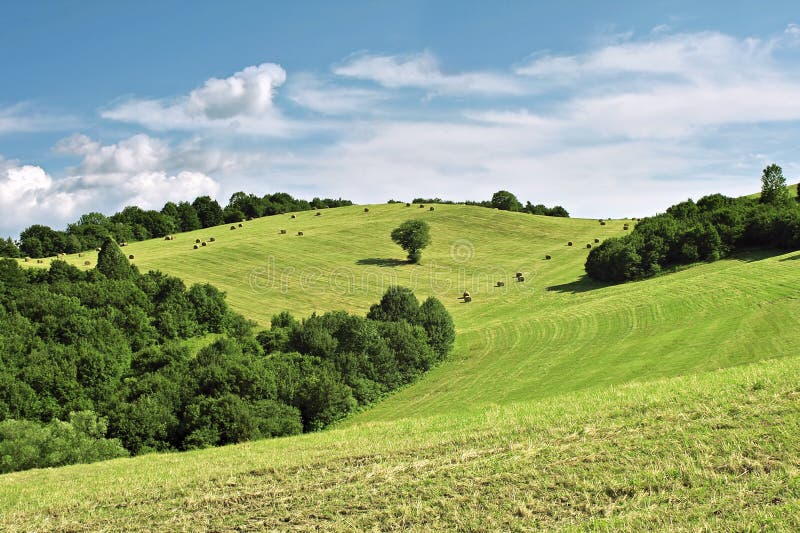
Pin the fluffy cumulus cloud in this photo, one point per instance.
(140, 170)
(242, 102)
(422, 71)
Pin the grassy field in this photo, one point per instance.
(565, 403)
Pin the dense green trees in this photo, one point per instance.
(134, 223)
(688, 232)
(505, 201)
(94, 364)
(412, 236)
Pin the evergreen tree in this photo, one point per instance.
(112, 262)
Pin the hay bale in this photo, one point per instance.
(97, 249)
(299, 233)
(518, 274)
(467, 299)
(500, 284)
(588, 245)
(167, 238)
(408, 204)
(39, 261)
(602, 222)
(196, 247)
(204, 243)
(569, 243)
(87, 263)
(431, 208)
(596, 241)
(466, 294)
(521, 279)
(422, 206)
(123, 244)
(212, 239)
(198, 240)
(317, 214)
(547, 257)
(241, 225)
(80, 255)
(366, 209)
(131, 256)
(27, 259)
(294, 216)
(283, 232)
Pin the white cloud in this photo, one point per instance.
(23, 118)
(312, 93)
(422, 71)
(242, 103)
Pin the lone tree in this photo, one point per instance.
(412, 236)
(505, 201)
(112, 262)
(773, 186)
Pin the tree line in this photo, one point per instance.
(96, 364)
(713, 227)
(502, 200)
(136, 224)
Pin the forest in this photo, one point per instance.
(100, 363)
(714, 227)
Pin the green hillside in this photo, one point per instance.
(565, 402)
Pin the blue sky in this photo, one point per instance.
(609, 109)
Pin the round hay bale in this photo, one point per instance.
(167, 238)
(87, 263)
(366, 209)
(431, 208)
(27, 259)
(123, 244)
(39, 261)
(204, 243)
(196, 247)
(466, 294)
(241, 225)
(518, 274)
(547, 257)
(283, 232)
(212, 239)
(80, 255)
(198, 240)
(625, 228)
(299, 233)
(422, 206)
(294, 216)
(569, 243)
(131, 256)
(596, 241)
(467, 299)
(97, 249)
(233, 228)
(500, 284)
(602, 222)
(521, 279)
(408, 204)
(317, 214)
(588, 245)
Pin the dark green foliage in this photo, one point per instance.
(412, 236)
(208, 211)
(8, 248)
(505, 201)
(773, 186)
(74, 341)
(112, 262)
(714, 227)
(397, 303)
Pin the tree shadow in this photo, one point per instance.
(382, 262)
(757, 254)
(794, 257)
(582, 284)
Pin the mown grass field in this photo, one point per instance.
(565, 403)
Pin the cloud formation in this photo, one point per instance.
(242, 103)
(422, 71)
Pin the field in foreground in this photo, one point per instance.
(564, 403)
(715, 451)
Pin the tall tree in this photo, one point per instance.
(209, 211)
(412, 236)
(773, 186)
(505, 201)
(112, 262)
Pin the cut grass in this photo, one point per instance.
(565, 403)
(716, 451)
